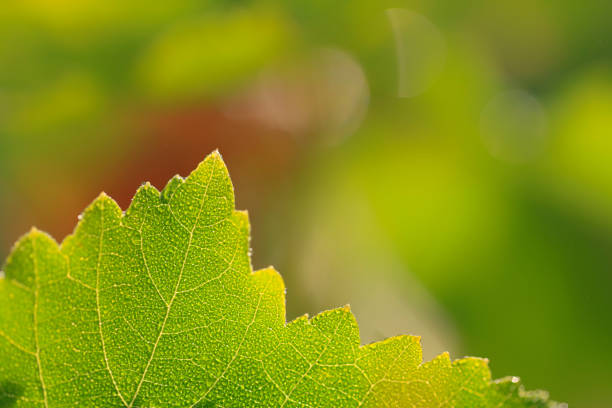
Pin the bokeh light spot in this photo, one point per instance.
(421, 51)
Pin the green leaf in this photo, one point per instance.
(159, 307)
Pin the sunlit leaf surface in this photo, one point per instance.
(159, 307)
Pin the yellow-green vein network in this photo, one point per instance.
(159, 307)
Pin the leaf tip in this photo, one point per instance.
(102, 200)
(270, 277)
(216, 156)
(445, 356)
(35, 233)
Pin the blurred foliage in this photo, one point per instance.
(483, 204)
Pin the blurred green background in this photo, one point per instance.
(445, 167)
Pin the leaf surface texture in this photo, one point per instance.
(159, 307)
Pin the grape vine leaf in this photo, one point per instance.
(159, 307)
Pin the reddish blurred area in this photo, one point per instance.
(165, 142)
(175, 141)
